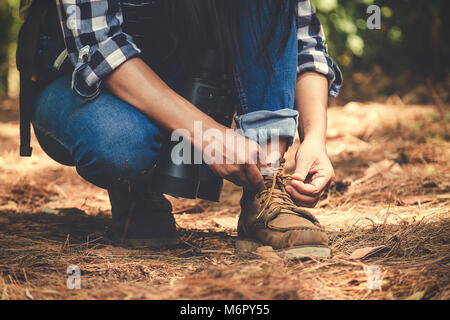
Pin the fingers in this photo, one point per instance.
(244, 172)
(317, 185)
(304, 187)
(233, 173)
(307, 195)
(248, 176)
(301, 170)
(302, 200)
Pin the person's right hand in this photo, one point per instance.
(237, 162)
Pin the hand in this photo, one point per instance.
(313, 174)
(237, 162)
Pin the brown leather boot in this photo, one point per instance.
(270, 218)
(141, 218)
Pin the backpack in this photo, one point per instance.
(32, 12)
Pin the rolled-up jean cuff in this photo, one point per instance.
(261, 126)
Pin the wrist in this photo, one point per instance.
(317, 138)
(204, 131)
(313, 144)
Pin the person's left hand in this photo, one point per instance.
(313, 174)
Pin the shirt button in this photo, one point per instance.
(85, 58)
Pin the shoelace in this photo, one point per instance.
(279, 178)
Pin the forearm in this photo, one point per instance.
(311, 102)
(137, 84)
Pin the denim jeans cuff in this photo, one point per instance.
(261, 126)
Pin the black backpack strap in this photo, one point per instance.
(26, 50)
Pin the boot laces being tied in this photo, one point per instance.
(269, 217)
(277, 200)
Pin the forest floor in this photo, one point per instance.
(389, 210)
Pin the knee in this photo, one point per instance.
(120, 152)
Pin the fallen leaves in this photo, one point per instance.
(365, 252)
(28, 294)
(218, 251)
(416, 296)
(386, 168)
(412, 200)
(226, 222)
(416, 258)
(267, 252)
(347, 144)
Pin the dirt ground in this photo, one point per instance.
(389, 208)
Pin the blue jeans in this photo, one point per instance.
(107, 139)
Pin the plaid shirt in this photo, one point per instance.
(97, 45)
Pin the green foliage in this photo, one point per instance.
(5, 38)
(412, 35)
(9, 22)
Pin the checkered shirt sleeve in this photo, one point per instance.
(313, 52)
(96, 44)
(94, 40)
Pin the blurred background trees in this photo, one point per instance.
(412, 34)
(9, 28)
(409, 52)
(6, 39)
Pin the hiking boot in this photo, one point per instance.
(141, 218)
(270, 218)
